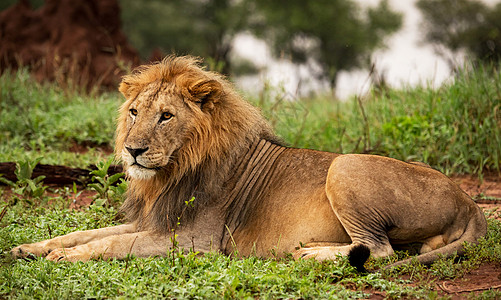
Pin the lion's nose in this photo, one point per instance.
(135, 152)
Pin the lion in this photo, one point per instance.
(205, 168)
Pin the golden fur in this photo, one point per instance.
(207, 145)
(184, 133)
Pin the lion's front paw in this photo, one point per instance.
(319, 253)
(69, 254)
(304, 253)
(29, 251)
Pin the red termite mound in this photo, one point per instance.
(76, 42)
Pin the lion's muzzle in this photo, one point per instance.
(135, 152)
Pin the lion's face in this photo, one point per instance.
(177, 117)
(156, 122)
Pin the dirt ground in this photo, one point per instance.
(487, 192)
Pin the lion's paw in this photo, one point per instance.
(319, 253)
(69, 254)
(57, 255)
(304, 253)
(29, 251)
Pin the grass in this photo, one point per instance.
(455, 129)
(44, 120)
(200, 276)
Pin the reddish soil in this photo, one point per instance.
(490, 186)
(487, 276)
(83, 199)
(77, 42)
(484, 278)
(486, 192)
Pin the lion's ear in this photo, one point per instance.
(128, 90)
(206, 93)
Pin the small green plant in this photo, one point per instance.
(109, 188)
(175, 251)
(25, 185)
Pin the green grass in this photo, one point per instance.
(455, 129)
(200, 276)
(44, 120)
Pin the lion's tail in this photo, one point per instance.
(476, 228)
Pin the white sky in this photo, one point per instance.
(407, 61)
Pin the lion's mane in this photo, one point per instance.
(224, 131)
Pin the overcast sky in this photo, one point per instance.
(406, 62)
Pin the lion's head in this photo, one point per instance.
(177, 115)
(179, 120)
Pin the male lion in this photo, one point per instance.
(184, 132)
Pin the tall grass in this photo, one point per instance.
(45, 120)
(456, 128)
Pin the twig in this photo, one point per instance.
(4, 211)
(367, 140)
(448, 291)
(233, 243)
(128, 256)
(443, 288)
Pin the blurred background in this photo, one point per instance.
(336, 47)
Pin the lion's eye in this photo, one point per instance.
(166, 116)
(133, 112)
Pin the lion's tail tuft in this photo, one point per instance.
(358, 255)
